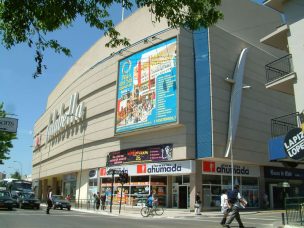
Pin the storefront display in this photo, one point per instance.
(150, 178)
(93, 186)
(217, 177)
(180, 191)
(69, 185)
(281, 182)
(136, 191)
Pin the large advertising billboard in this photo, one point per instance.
(146, 93)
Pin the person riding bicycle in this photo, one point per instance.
(150, 201)
(152, 207)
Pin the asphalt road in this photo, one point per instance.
(20, 218)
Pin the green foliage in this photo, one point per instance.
(16, 175)
(29, 21)
(5, 140)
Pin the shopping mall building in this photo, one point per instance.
(177, 110)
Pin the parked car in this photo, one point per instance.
(28, 200)
(60, 202)
(16, 199)
(6, 200)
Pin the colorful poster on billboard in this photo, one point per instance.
(150, 153)
(146, 93)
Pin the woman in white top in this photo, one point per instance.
(224, 206)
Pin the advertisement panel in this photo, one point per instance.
(146, 93)
(151, 153)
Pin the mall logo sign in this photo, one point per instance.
(294, 144)
(59, 121)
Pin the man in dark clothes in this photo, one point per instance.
(235, 207)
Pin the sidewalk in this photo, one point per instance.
(132, 212)
(169, 212)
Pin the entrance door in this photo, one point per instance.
(182, 196)
(276, 197)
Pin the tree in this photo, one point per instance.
(29, 21)
(5, 139)
(16, 175)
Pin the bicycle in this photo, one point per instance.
(147, 210)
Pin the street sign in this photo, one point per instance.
(8, 124)
(113, 172)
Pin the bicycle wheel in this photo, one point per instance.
(145, 211)
(159, 210)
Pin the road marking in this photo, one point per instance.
(266, 219)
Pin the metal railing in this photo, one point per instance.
(283, 124)
(278, 68)
(294, 207)
(89, 204)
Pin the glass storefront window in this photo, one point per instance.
(183, 179)
(249, 181)
(211, 179)
(158, 180)
(93, 182)
(136, 191)
(186, 179)
(216, 190)
(106, 180)
(177, 179)
(159, 188)
(252, 197)
(214, 184)
(227, 180)
(139, 190)
(140, 179)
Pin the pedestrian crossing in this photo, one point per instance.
(254, 220)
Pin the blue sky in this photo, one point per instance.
(26, 97)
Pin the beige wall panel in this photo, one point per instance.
(187, 91)
(220, 104)
(246, 20)
(188, 118)
(186, 95)
(258, 103)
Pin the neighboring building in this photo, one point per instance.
(286, 75)
(160, 110)
(2, 176)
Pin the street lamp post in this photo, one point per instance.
(82, 149)
(20, 167)
(13, 168)
(81, 161)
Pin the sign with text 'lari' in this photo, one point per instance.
(8, 124)
(294, 144)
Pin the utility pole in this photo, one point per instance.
(112, 172)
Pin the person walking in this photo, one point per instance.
(198, 204)
(49, 200)
(97, 200)
(103, 201)
(224, 206)
(235, 200)
(68, 197)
